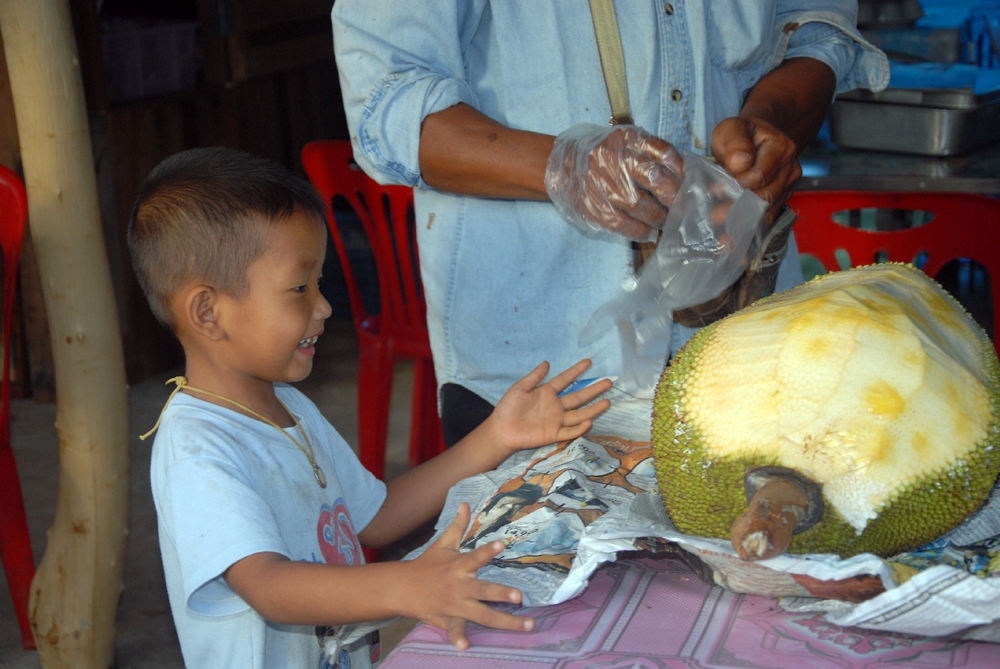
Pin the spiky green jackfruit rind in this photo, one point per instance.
(703, 494)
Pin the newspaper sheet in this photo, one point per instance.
(565, 509)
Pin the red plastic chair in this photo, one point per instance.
(399, 330)
(15, 541)
(961, 226)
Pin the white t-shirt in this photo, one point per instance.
(227, 486)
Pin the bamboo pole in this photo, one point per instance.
(74, 595)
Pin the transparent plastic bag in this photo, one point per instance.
(711, 231)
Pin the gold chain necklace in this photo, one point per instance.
(307, 448)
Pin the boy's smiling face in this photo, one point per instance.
(271, 331)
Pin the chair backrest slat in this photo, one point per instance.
(13, 217)
(957, 226)
(387, 216)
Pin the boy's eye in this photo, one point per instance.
(305, 287)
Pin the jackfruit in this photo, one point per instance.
(874, 383)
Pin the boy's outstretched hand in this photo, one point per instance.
(529, 415)
(446, 593)
(532, 413)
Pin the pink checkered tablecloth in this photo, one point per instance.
(658, 613)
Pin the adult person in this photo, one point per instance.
(466, 100)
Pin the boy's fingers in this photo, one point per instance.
(456, 633)
(563, 379)
(452, 536)
(578, 422)
(530, 380)
(481, 555)
(486, 616)
(587, 393)
(587, 412)
(490, 617)
(568, 433)
(559, 382)
(488, 591)
(461, 520)
(573, 420)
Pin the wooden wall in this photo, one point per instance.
(266, 83)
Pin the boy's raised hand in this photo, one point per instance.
(532, 413)
(445, 592)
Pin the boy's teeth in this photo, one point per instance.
(308, 341)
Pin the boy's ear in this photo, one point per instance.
(201, 305)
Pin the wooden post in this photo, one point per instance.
(75, 592)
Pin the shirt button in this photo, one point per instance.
(668, 8)
(676, 95)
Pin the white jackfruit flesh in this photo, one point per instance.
(873, 382)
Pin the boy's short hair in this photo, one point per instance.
(200, 215)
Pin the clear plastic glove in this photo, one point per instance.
(618, 178)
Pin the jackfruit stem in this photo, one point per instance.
(774, 512)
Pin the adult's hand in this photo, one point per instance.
(760, 156)
(617, 178)
(780, 116)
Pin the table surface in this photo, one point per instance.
(656, 612)
(825, 166)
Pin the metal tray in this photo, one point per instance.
(931, 122)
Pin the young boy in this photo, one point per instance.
(262, 507)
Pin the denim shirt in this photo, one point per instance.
(510, 283)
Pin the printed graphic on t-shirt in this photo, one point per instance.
(337, 539)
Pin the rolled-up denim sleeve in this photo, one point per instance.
(827, 31)
(398, 64)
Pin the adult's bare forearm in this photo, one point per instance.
(794, 97)
(464, 151)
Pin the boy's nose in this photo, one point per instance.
(322, 309)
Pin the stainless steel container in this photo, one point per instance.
(932, 122)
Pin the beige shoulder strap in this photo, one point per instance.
(609, 44)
